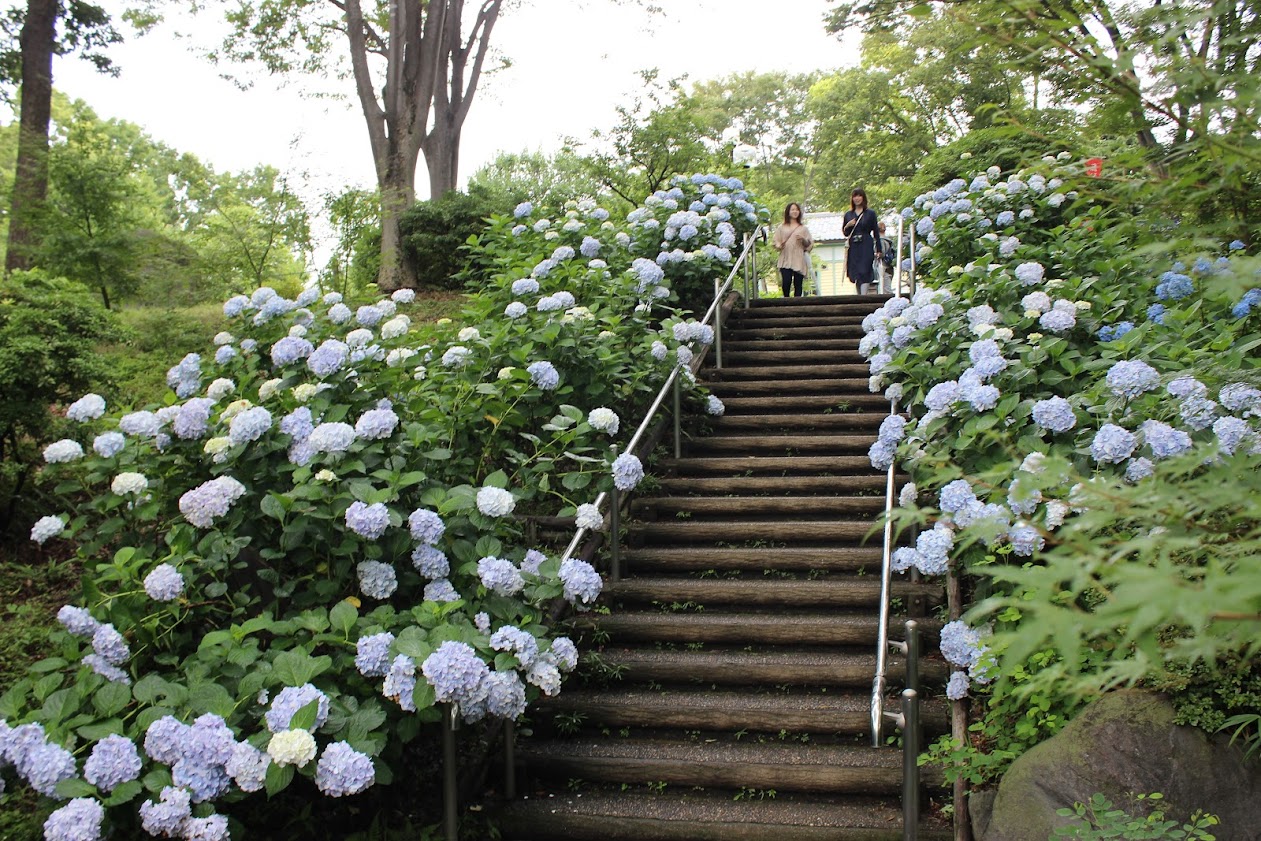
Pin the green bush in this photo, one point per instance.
(50, 329)
(435, 234)
(1098, 819)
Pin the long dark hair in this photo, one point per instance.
(858, 192)
(801, 214)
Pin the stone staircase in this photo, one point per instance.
(728, 695)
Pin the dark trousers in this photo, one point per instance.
(790, 280)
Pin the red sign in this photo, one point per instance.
(1094, 167)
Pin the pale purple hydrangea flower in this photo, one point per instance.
(500, 576)
(109, 644)
(210, 500)
(166, 817)
(1164, 440)
(1132, 378)
(249, 425)
(440, 590)
(582, 583)
(369, 521)
(376, 580)
(426, 526)
(1025, 540)
(628, 470)
(1231, 432)
(164, 583)
(333, 437)
(291, 699)
(532, 561)
(109, 444)
(248, 767)
(289, 350)
(958, 685)
(932, 549)
(77, 620)
(1112, 444)
(78, 820)
(372, 654)
(430, 561)
(544, 375)
(519, 643)
(400, 683)
(589, 517)
(515, 309)
(960, 644)
(456, 674)
(375, 424)
(1055, 414)
(113, 761)
(344, 771)
(505, 696)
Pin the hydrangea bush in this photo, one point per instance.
(316, 541)
(1069, 397)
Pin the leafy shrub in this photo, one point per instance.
(1098, 819)
(1084, 436)
(435, 233)
(49, 332)
(312, 545)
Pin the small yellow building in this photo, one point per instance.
(828, 257)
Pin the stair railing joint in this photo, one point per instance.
(886, 579)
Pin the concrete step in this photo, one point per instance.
(793, 321)
(783, 465)
(873, 484)
(829, 628)
(705, 507)
(854, 421)
(679, 559)
(776, 355)
(826, 531)
(818, 769)
(813, 345)
(840, 388)
(782, 329)
(865, 402)
(832, 592)
(787, 445)
(685, 709)
(683, 814)
(821, 368)
(766, 667)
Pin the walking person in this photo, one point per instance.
(793, 242)
(884, 263)
(859, 226)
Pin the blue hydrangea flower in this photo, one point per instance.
(892, 430)
(525, 286)
(1174, 286)
(956, 496)
(904, 558)
(1236, 245)
(981, 398)
(109, 444)
(522, 210)
(291, 699)
(1029, 273)
(289, 350)
(500, 576)
(369, 315)
(426, 526)
(298, 424)
(628, 470)
(1022, 496)
(372, 657)
(192, 420)
(210, 500)
(430, 561)
(1163, 439)
(1005, 219)
(1242, 398)
(505, 696)
(582, 583)
(1112, 332)
(1112, 444)
(960, 644)
(1156, 313)
(958, 685)
(516, 309)
(328, 358)
(1059, 319)
(1139, 469)
(376, 580)
(109, 644)
(400, 683)
(881, 455)
(565, 653)
(456, 674)
(1197, 412)
(1231, 432)
(519, 643)
(1055, 414)
(331, 438)
(375, 424)
(78, 820)
(114, 761)
(343, 771)
(164, 583)
(166, 818)
(249, 425)
(544, 375)
(532, 561)
(943, 396)
(1132, 378)
(46, 528)
(932, 551)
(440, 590)
(1025, 540)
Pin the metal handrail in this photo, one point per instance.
(886, 579)
(672, 382)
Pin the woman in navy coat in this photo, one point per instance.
(859, 225)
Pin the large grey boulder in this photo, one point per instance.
(1126, 743)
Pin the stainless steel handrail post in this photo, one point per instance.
(615, 536)
(914, 258)
(450, 790)
(882, 632)
(897, 263)
(912, 655)
(717, 331)
(510, 759)
(910, 765)
(678, 426)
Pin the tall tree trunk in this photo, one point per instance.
(30, 181)
(442, 158)
(397, 194)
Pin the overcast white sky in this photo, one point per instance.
(571, 65)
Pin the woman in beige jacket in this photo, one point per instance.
(793, 242)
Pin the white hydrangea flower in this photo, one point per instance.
(292, 747)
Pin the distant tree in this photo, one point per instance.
(355, 217)
(656, 137)
(552, 180)
(33, 34)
